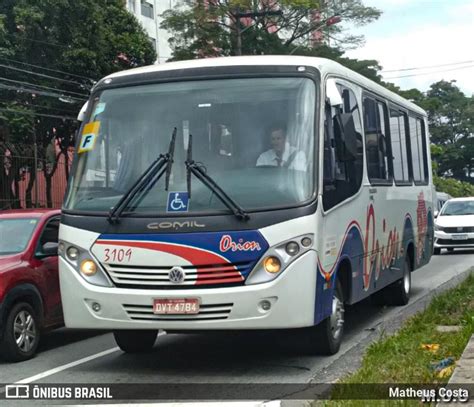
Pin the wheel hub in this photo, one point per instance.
(337, 317)
(24, 329)
(406, 282)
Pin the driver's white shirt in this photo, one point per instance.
(270, 158)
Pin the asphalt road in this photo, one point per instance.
(71, 356)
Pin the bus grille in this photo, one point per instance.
(207, 312)
(157, 277)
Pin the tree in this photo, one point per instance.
(212, 27)
(451, 120)
(51, 53)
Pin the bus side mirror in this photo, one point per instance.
(82, 113)
(332, 93)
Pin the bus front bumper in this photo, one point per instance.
(291, 295)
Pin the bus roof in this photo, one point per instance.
(325, 66)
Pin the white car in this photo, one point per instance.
(454, 225)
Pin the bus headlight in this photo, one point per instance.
(272, 264)
(278, 258)
(72, 253)
(83, 262)
(88, 268)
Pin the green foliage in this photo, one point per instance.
(453, 187)
(212, 30)
(401, 359)
(451, 121)
(80, 41)
(20, 122)
(88, 38)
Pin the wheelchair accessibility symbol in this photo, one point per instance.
(178, 202)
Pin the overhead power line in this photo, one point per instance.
(36, 106)
(40, 74)
(41, 93)
(46, 69)
(427, 67)
(42, 87)
(429, 73)
(38, 114)
(17, 36)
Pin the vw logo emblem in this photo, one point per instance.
(460, 229)
(176, 275)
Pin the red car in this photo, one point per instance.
(30, 301)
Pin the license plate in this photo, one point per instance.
(459, 237)
(176, 306)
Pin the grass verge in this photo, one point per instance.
(401, 359)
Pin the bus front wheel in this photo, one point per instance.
(135, 341)
(326, 337)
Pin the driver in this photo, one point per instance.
(282, 154)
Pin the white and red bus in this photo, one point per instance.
(243, 193)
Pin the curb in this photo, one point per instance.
(464, 372)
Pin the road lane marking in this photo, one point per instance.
(67, 366)
(273, 403)
(72, 364)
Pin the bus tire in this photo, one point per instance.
(326, 337)
(135, 341)
(400, 290)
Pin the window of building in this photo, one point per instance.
(131, 5)
(147, 9)
(375, 114)
(153, 42)
(399, 146)
(342, 175)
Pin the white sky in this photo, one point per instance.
(420, 33)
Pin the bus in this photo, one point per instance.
(243, 193)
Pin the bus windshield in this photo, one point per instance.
(253, 136)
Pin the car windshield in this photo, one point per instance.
(458, 208)
(254, 137)
(15, 234)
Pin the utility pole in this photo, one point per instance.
(253, 14)
(35, 151)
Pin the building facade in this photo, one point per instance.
(148, 13)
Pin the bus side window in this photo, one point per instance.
(342, 177)
(399, 147)
(376, 145)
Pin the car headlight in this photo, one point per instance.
(438, 228)
(279, 257)
(84, 263)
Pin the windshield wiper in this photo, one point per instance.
(197, 170)
(149, 178)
